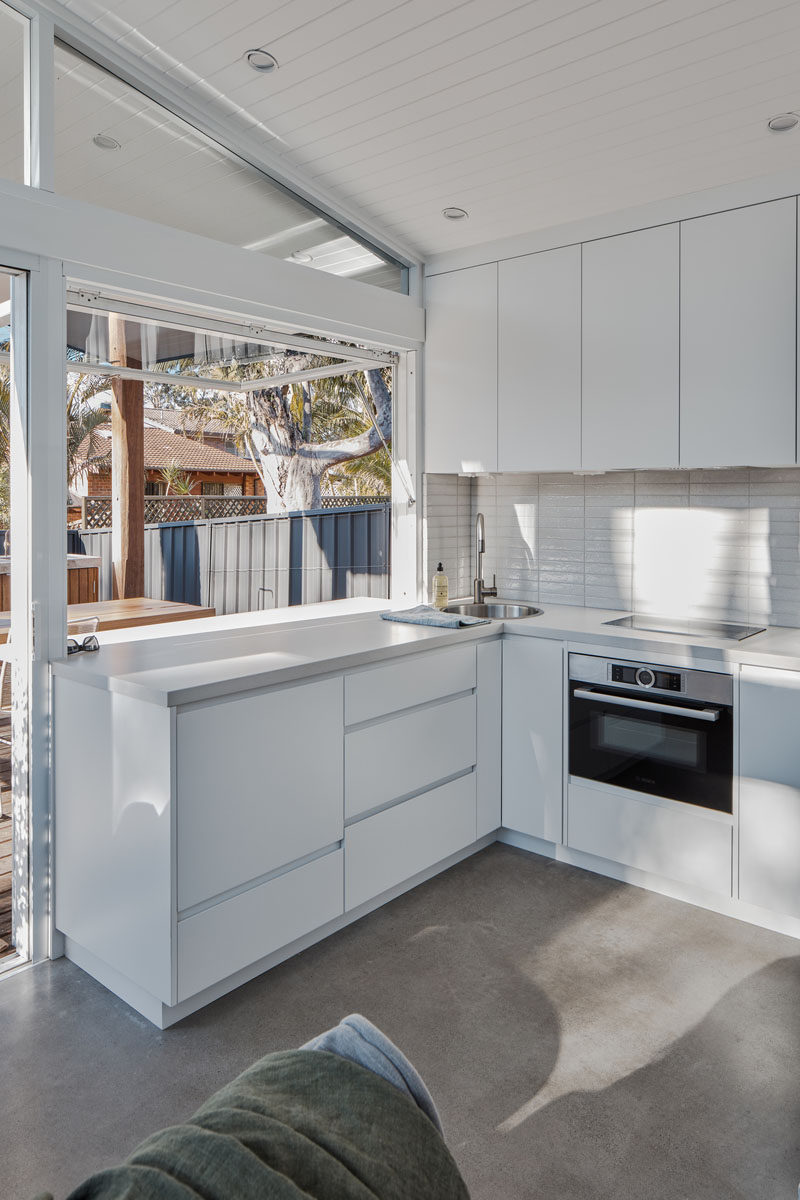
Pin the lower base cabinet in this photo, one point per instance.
(769, 789)
(676, 842)
(533, 736)
(394, 845)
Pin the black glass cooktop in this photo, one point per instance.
(690, 628)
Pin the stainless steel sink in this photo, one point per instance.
(500, 612)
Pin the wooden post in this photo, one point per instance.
(127, 469)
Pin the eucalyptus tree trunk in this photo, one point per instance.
(290, 465)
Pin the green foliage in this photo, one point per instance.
(178, 481)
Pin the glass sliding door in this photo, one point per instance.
(15, 633)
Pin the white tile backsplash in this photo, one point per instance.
(710, 543)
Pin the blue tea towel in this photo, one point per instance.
(424, 614)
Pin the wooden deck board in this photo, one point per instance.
(5, 882)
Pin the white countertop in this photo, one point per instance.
(204, 664)
(221, 656)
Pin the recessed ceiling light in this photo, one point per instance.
(261, 61)
(783, 122)
(455, 214)
(104, 142)
(302, 257)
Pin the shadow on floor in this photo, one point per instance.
(718, 1116)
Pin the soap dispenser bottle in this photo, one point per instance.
(440, 588)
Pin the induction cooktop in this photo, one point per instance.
(688, 627)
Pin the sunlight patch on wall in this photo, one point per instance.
(689, 561)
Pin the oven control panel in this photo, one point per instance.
(644, 677)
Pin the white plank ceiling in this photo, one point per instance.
(526, 114)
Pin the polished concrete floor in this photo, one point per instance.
(583, 1039)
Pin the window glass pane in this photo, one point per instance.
(12, 94)
(158, 346)
(118, 149)
(257, 476)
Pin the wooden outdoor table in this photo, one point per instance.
(124, 614)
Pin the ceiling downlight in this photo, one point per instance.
(783, 122)
(261, 60)
(104, 141)
(453, 213)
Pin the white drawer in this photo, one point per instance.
(229, 936)
(259, 786)
(396, 844)
(417, 679)
(677, 844)
(408, 753)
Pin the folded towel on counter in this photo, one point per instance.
(424, 614)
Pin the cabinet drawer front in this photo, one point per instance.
(415, 680)
(408, 753)
(395, 845)
(222, 940)
(683, 846)
(259, 786)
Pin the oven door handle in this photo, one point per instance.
(675, 710)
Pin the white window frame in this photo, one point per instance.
(42, 232)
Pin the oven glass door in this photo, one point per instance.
(677, 749)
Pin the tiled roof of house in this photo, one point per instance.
(180, 420)
(161, 449)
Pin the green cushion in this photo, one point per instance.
(299, 1124)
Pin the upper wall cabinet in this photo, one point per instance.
(738, 309)
(461, 371)
(539, 362)
(630, 350)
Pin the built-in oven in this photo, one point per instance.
(653, 729)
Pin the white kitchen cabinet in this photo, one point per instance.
(769, 790)
(461, 371)
(738, 331)
(251, 797)
(202, 840)
(630, 351)
(533, 736)
(539, 362)
(676, 841)
(490, 730)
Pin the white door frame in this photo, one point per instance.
(38, 576)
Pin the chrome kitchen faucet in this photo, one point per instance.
(479, 591)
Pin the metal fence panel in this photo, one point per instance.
(242, 564)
